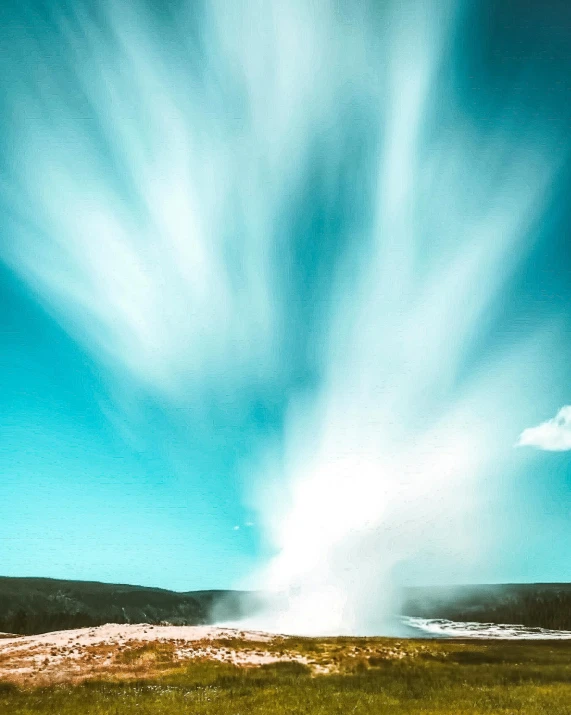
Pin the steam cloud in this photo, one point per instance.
(154, 201)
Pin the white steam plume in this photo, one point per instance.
(153, 231)
(152, 221)
(389, 463)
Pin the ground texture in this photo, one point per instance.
(118, 669)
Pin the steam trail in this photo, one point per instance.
(389, 463)
(153, 196)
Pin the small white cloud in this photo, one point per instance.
(236, 528)
(249, 523)
(554, 435)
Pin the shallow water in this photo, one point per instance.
(442, 628)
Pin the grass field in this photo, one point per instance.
(331, 676)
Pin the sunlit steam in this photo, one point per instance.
(154, 200)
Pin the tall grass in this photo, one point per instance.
(451, 679)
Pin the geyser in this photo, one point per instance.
(384, 474)
(151, 204)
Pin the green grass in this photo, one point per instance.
(445, 677)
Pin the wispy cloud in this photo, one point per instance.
(152, 171)
(553, 435)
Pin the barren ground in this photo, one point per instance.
(124, 651)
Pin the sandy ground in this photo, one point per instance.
(124, 650)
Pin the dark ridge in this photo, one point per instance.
(537, 605)
(39, 605)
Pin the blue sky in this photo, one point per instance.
(277, 267)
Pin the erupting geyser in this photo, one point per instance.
(164, 198)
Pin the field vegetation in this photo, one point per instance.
(317, 676)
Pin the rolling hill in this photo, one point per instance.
(40, 605)
(542, 605)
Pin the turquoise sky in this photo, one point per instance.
(189, 235)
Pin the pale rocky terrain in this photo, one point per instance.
(120, 649)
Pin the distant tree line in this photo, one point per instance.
(533, 607)
(24, 622)
(30, 605)
(27, 623)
